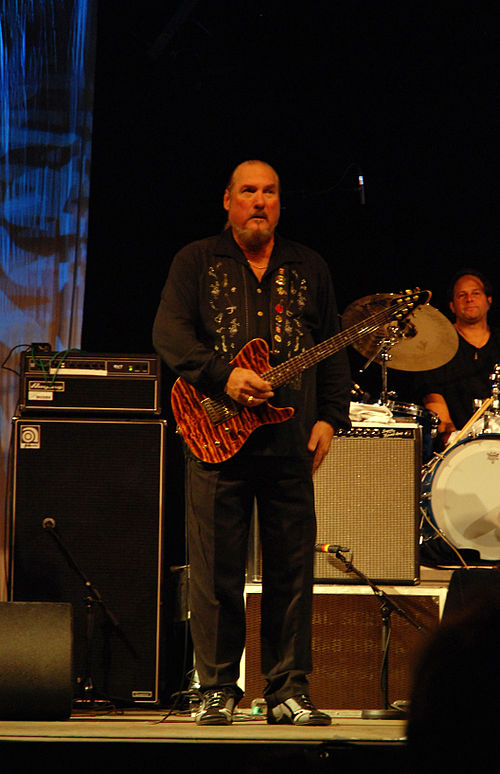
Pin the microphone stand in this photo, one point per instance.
(387, 607)
(92, 596)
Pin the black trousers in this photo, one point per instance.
(219, 500)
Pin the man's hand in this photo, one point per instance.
(247, 387)
(319, 442)
(436, 403)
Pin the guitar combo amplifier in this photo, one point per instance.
(367, 496)
(367, 499)
(81, 382)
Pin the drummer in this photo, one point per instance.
(451, 389)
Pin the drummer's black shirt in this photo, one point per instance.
(464, 378)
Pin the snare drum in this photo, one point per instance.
(461, 495)
(428, 421)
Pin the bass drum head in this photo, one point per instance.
(465, 495)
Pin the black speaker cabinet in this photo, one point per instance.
(36, 649)
(367, 500)
(87, 507)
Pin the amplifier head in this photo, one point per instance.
(74, 382)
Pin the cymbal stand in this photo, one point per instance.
(385, 356)
(92, 598)
(382, 352)
(387, 607)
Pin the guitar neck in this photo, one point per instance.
(285, 372)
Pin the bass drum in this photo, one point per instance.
(462, 495)
(428, 421)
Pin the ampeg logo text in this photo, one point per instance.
(30, 437)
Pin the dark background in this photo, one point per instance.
(405, 92)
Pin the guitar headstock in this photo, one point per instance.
(407, 302)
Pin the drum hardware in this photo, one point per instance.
(358, 395)
(490, 416)
(396, 710)
(486, 425)
(384, 355)
(495, 387)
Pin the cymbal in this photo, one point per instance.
(428, 339)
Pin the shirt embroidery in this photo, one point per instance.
(227, 301)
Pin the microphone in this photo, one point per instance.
(329, 548)
(49, 523)
(361, 187)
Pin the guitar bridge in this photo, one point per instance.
(220, 409)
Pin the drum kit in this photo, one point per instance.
(460, 494)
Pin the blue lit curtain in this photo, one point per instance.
(46, 88)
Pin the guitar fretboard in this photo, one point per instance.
(285, 372)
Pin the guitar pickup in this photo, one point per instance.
(220, 409)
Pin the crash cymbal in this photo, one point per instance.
(425, 340)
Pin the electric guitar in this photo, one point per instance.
(215, 428)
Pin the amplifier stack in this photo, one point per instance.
(87, 503)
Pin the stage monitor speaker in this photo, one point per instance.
(87, 507)
(367, 500)
(36, 647)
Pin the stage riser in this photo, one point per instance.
(347, 644)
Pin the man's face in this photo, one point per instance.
(470, 303)
(253, 204)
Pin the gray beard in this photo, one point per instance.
(254, 240)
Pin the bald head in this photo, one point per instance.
(252, 201)
(246, 166)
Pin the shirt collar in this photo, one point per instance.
(226, 245)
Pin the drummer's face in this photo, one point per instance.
(470, 303)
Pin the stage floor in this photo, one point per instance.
(155, 726)
(140, 741)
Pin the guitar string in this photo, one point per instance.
(283, 372)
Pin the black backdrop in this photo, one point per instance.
(405, 92)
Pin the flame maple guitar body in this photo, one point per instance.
(216, 428)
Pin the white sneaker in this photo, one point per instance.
(297, 711)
